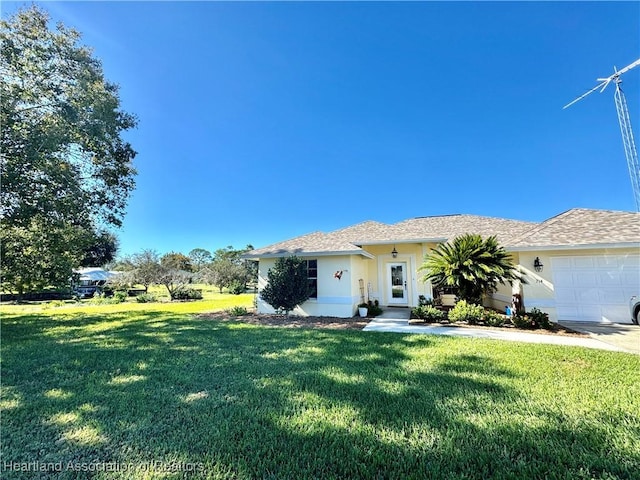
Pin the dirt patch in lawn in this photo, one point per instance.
(357, 323)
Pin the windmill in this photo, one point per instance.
(630, 150)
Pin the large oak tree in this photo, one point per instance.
(66, 171)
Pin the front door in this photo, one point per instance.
(397, 283)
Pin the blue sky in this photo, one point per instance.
(263, 121)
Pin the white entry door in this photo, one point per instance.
(397, 283)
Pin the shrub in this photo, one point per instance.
(288, 284)
(101, 299)
(428, 313)
(237, 287)
(146, 298)
(540, 319)
(422, 300)
(374, 309)
(532, 320)
(119, 296)
(109, 298)
(522, 321)
(466, 312)
(237, 311)
(187, 294)
(493, 318)
(106, 291)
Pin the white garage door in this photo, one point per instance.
(595, 288)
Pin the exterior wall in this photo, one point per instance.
(360, 271)
(263, 269)
(340, 298)
(336, 298)
(502, 297)
(539, 292)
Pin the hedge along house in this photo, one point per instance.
(588, 263)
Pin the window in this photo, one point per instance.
(312, 275)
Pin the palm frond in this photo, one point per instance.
(470, 264)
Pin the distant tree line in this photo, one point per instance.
(224, 269)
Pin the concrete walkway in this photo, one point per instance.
(397, 320)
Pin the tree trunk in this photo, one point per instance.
(20, 293)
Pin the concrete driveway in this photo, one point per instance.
(625, 336)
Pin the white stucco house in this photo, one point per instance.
(580, 265)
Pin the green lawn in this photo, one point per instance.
(152, 390)
(212, 301)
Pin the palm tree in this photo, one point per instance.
(471, 266)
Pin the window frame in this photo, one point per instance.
(313, 280)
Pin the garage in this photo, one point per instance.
(595, 288)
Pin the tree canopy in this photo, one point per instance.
(469, 265)
(228, 270)
(101, 251)
(176, 261)
(200, 258)
(66, 172)
(145, 268)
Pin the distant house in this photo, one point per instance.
(89, 280)
(580, 265)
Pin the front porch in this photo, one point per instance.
(392, 277)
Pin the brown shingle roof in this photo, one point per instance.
(305, 245)
(348, 240)
(581, 226)
(574, 227)
(450, 226)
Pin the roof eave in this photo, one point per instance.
(401, 241)
(579, 246)
(249, 256)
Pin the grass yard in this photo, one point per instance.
(212, 301)
(158, 393)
